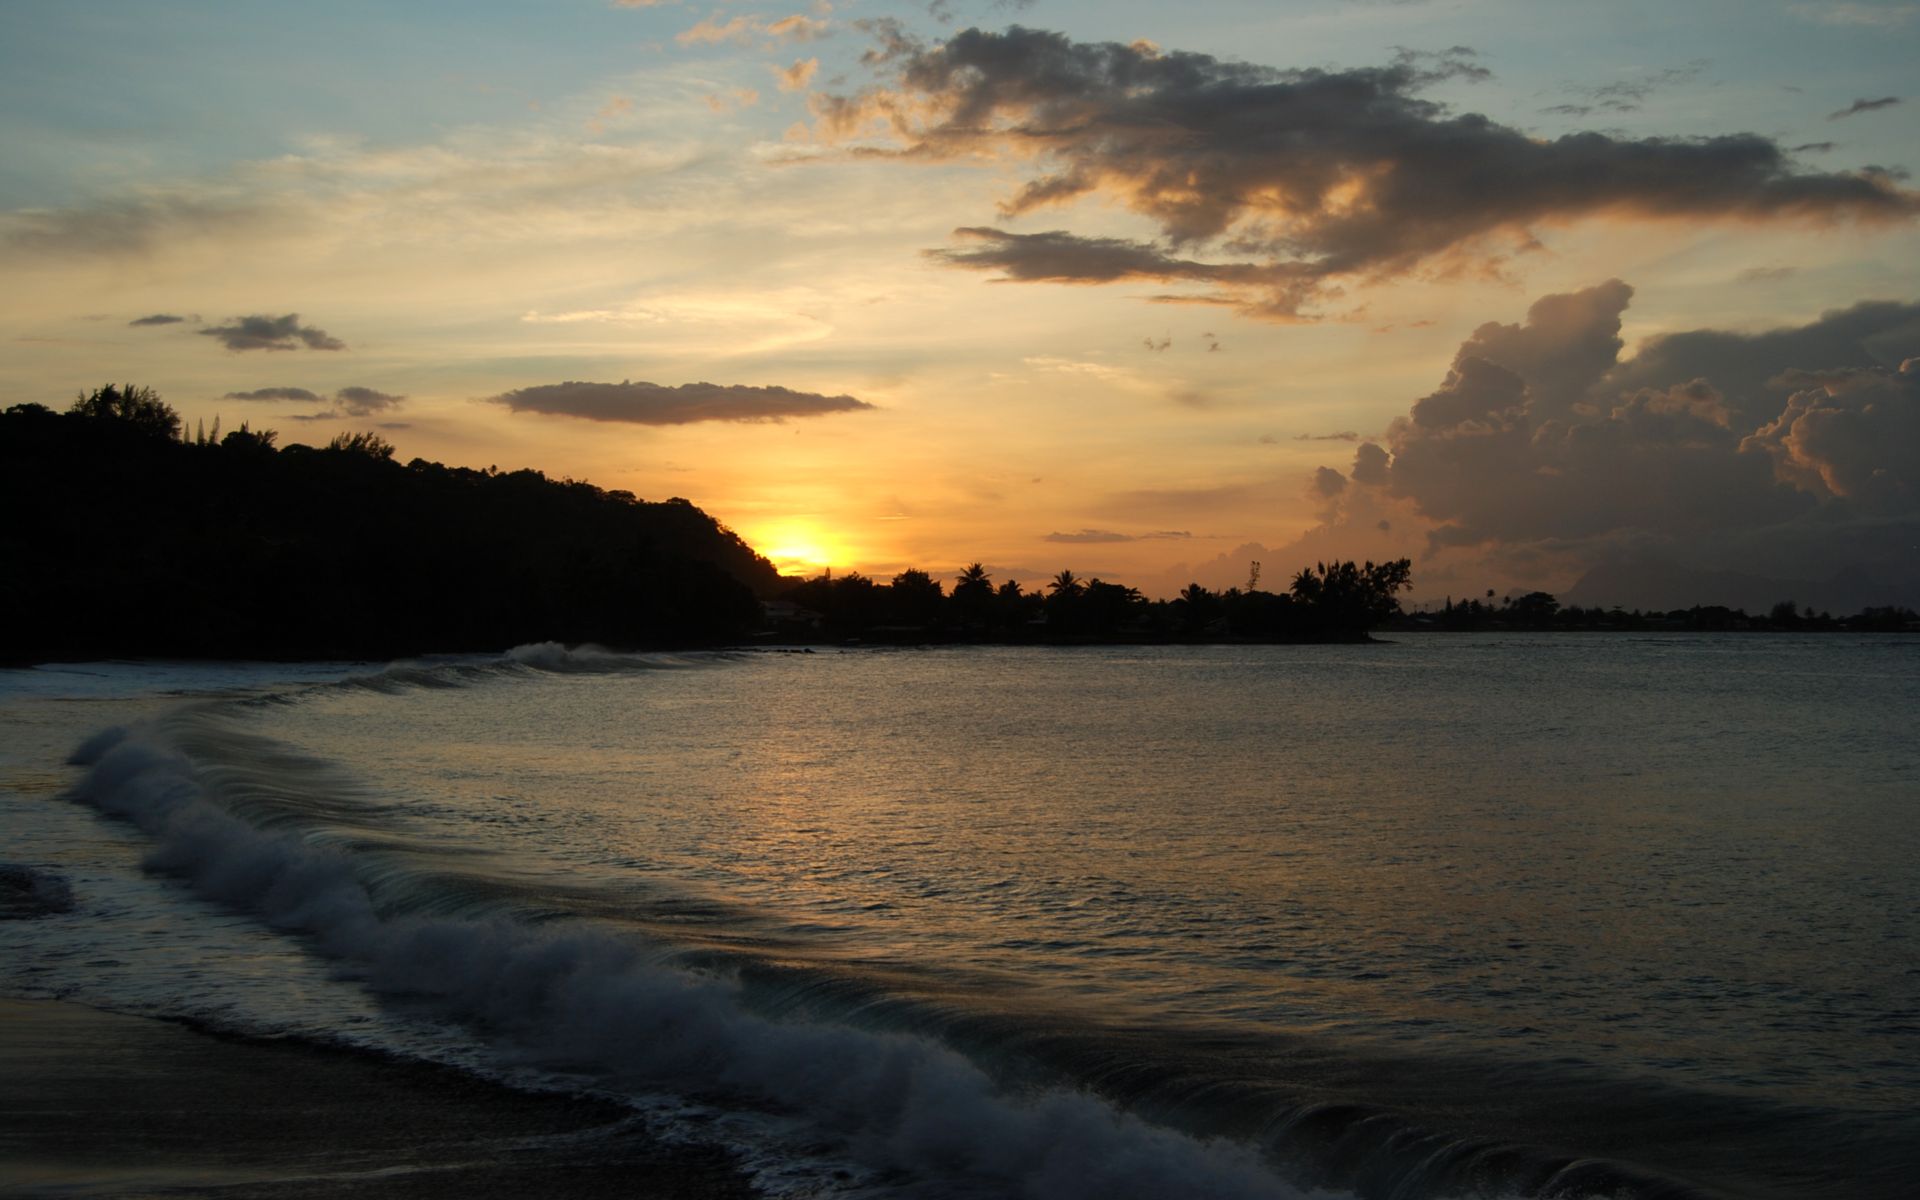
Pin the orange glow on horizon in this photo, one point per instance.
(798, 547)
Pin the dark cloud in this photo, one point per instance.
(157, 319)
(1370, 465)
(364, 401)
(272, 333)
(1814, 147)
(1746, 367)
(1860, 106)
(1790, 452)
(348, 401)
(658, 404)
(1346, 435)
(1100, 536)
(277, 393)
(1271, 187)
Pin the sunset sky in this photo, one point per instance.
(1148, 291)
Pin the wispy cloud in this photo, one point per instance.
(1861, 106)
(1089, 537)
(1852, 12)
(640, 403)
(746, 30)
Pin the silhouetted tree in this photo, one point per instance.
(973, 597)
(915, 597)
(1105, 608)
(372, 445)
(1196, 607)
(1344, 599)
(135, 408)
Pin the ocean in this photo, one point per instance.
(1491, 915)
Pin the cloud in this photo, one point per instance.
(1851, 433)
(1347, 435)
(658, 404)
(131, 225)
(350, 401)
(1628, 95)
(1848, 12)
(1860, 106)
(364, 401)
(276, 393)
(796, 77)
(1794, 452)
(1304, 180)
(1090, 537)
(744, 30)
(157, 319)
(272, 333)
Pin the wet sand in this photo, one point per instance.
(98, 1104)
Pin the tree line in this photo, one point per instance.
(1337, 601)
(1542, 611)
(129, 537)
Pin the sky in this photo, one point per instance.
(1614, 301)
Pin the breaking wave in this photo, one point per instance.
(590, 998)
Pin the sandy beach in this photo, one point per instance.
(99, 1104)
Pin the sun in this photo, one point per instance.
(798, 547)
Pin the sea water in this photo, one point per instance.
(1505, 915)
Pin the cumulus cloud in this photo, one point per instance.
(272, 333)
(1860, 106)
(1089, 537)
(659, 404)
(157, 319)
(1790, 452)
(1272, 188)
(1850, 433)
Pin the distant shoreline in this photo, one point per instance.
(1387, 635)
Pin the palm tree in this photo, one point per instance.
(1066, 583)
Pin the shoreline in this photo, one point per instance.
(95, 1103)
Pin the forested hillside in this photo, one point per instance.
(123, 538)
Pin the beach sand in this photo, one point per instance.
(99, 1104)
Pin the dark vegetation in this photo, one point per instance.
(128, 537)
(125, 538)
(1540, 611)
(1330, 602)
